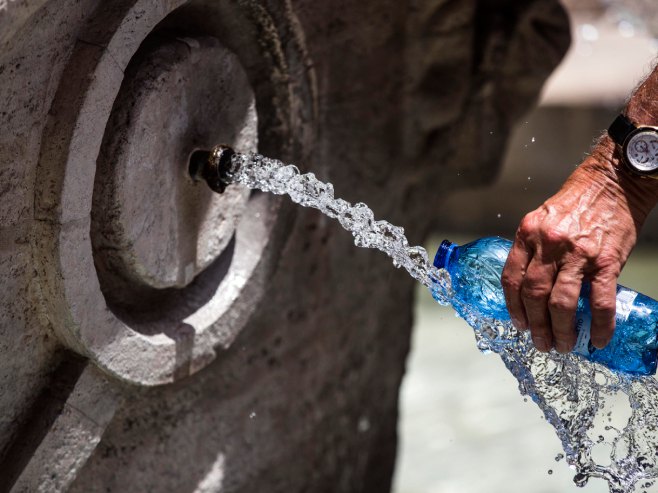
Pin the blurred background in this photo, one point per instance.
(488, 438)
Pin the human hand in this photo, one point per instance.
(583, 233)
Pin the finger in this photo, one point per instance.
(603, 303)
(562, 306)
(512, 279)
(535, 292)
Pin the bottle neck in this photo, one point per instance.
(442, 258)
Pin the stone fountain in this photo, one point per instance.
(158, 337)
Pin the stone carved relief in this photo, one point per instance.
(290, 384)
(478, 67)
(132, 97)
(137, 322)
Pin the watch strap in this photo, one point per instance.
(620, 129)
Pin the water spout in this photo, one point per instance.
(216, 167)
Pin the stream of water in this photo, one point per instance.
(607, 422)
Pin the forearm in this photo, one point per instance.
(585, 232)
(642, 108)
(641, 193)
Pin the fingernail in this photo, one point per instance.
(599, 342)
(562, 347)
(541, 344)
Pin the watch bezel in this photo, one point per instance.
(628, 161)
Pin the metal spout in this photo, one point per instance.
(215, 167)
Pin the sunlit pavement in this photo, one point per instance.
(464, 427)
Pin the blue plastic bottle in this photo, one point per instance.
(475, 270)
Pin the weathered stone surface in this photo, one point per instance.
(30, 65)
(393, 101)
(72, 436)
(163, 113)
(112, 298)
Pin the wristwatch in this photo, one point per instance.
(639, 146)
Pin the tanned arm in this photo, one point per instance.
(583, 233)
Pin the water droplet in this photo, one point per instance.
(363, 216)
(252, 415)
(580, 480)
(308, 191)
(499, 215)
(532, 140)
(335, 208)
(418, 255)
(626, 28)
(281, 177)
(589, 32)
(550, 471)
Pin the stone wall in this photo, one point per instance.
(158, 338)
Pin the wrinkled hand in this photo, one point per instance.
(583, 233)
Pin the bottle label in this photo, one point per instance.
(583, 325)
(625, 299)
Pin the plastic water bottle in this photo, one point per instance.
(475, 270)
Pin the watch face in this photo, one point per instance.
(642, 150)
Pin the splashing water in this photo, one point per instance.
(607, 421)
(270, 175)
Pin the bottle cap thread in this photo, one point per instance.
(443, 254)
